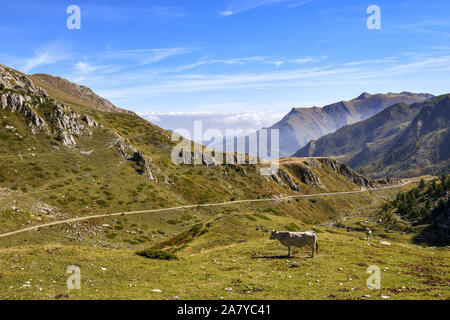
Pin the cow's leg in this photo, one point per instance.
(313, 247)
(289, 251)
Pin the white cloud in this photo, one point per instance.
(239, 6)
(208, 82)
(57, 52)
(85, 70)
(298, 3)
(146, 56)
(123, 13)
(239, 123)
(84, 67)
(237, 81)
(49, 54)
(278, 63)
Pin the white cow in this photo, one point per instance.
(297, 239)
(368, 233)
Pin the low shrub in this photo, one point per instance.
(157, 254)
(292, 227)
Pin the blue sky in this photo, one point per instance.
(239, 63)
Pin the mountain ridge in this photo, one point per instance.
(402, 140)
(52, 143)
(80, 92)
(301, 125)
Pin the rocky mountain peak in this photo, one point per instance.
(14, 80)
(80, 92)
(364, 95)
(18, 94)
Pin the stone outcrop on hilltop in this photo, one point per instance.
(351, 175)
(23, 104)
(304, 172)
(80, 92)
(130, 153)
(43, 114)
(46, 115)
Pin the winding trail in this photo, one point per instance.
(198, 206)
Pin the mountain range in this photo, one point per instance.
(86, 184)
(64, 147)
(301, 125)
(402, 140)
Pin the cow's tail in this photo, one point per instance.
(317, 246)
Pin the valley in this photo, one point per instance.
(84, 183)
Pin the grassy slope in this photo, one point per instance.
(233, 251)
(76, 185)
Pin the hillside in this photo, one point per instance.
(403, 140)
(65, 158)
(426, 207)
(376, 131)
(72, 93)
(62, 158)
(301, 125)
(226, 254)
(423, 147)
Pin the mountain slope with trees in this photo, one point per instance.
(401, 141)
(426, 206)
(64, 156)
(301, 125)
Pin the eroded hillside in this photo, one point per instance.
(63, 157)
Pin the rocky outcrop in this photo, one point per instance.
(66, 123)
(290, 181)
(132, 154)
(82, 93)
(89, 121)
(301, 172)
(308, 177)
(283, 178)
(145, 166)
(19, 103)
(351, 175)
(238, 168)
(19, 95)
(13, 80)
(277, 179)
(212, 158)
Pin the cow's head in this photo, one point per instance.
(273, 235)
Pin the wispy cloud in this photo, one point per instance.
(240, 122)
(352, 72)
(85, 67)
(298, 3)
(85, 63)
(240, 6)
(146, 56)
(49, 54)
(438, 26)
(124, 13)
(304, 60)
